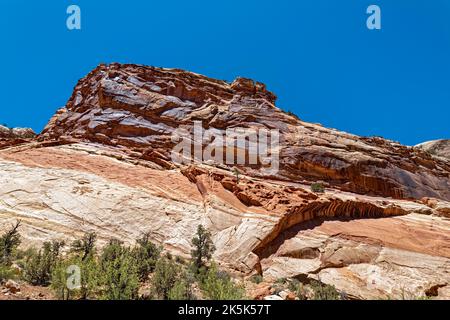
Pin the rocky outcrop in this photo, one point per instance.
(440, 148)
(14, 136)
(395, 258)
(278, 229)
(103, 164)
(16, 133)
(139, 108)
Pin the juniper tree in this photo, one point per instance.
(203, 248)
(85, 246)
(9, 243)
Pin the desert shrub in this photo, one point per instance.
(203, 248)
(165, 278)
(179, 291)
(146, 255)
(180, 260)
(289, 112)
(182, 289)
(218, 285)
(59, 281)
(85, 246)
(6, 273)
(237, 174)
(317, 187)
(119, 272)
(90, 278)
(324, 291)
(299, 289)
(39, 265)
(9, 242)
(256, 278)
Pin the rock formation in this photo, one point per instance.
(138, 108)
(440, 148)
(379, 229)
(13, 136)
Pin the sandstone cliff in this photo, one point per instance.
(13, 136)
(440, 148)
(103, 164)
(139, 108)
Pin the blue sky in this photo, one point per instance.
(316, 55)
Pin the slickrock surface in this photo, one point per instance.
(440, 148)
(381, 229)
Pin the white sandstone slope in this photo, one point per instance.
(60, 192)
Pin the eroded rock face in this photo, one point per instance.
(139, 108)
(440, 148)
(278, 229)
(397, 258)
(14, 136)
(380, 228)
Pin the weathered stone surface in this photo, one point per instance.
(139, 107)
(405, 257)
(12, 286)
(14, 136)
(380, 229)
(439, 148)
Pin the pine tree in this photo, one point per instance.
(203, 248)
(9, 243)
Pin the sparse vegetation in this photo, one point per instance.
(85, 246)
(324, 292)
(39, 264)
(6, 273)
(218, 285)
(256, 278)
(300, 290)
(146, 255)
(203, 249)
(236, 174)
(289, 112)
(166, 281)
(318, 187)
(118, 272)
(9, 242)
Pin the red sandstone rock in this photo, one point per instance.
(138, 108)
(101, 166)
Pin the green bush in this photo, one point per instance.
(218, 285)
(256, 278)
(299, 289)
(83, 256)
(165, 278)
(6, 273)
(324, 291)
(203, 248)
(119, 272)
(86, 246)
(182, 289)
(317, 187)
(59, 281)
(39, 265)
(9, 242)
(146, 254)
(90, 278)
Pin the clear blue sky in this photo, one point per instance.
(316, 55)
